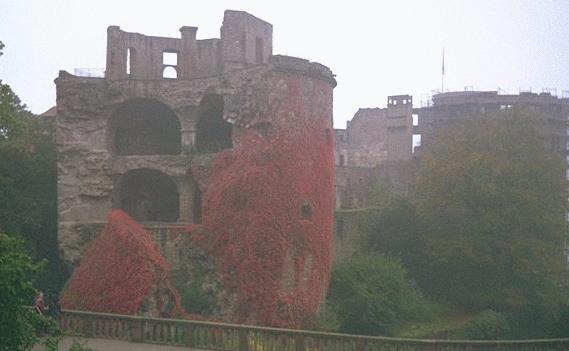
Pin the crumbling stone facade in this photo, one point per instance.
(171, 116)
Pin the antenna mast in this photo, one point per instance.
(443, 73)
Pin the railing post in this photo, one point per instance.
(299, 342)
(189, 335)
(243, 340)
(88, 327)
(136, 330)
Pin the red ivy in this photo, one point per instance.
(276, 262)
(118, 270)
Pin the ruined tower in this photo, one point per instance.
(214, 145)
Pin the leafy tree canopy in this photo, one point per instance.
(494, 199)
(28, 181)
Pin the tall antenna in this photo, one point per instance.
(443, 73)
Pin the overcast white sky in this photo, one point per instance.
(376, 48)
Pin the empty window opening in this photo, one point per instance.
(129, 59)
(415, 119)
(170, 58)
(213, 132)
(148, 195)
(169, 72)
(416, 141)
(145, 127)
(259, 50)
(306, 212)
(342, 161)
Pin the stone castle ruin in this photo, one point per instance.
(221, 151)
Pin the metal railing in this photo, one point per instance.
(232, 337)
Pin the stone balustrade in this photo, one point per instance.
(232, 337)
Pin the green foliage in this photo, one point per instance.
(540, 321)
(17, 272)
(395, 231)
(79, 346)
(195, 299)
(494, 200)
(28, 184)
(488, 325)
(373, 296)
(327, 319)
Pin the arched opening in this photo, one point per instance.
(148, 195)
(213, 132)
(169, 72)
(145, 127)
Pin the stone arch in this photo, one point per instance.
(145, 127)
(213, 132)
(148, 195)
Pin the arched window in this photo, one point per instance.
(214, 133)
(169, 72)
(145, 127)
(148, 195)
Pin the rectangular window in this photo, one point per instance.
(415, 119)
(128, 60)
(170, 58)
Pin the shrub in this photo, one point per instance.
(373, 295)
(327, 319)
(488, 325)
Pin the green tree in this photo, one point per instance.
(372, 295)
(494, 199)
(28, 180)
(17, 271)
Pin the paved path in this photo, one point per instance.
(112, 345)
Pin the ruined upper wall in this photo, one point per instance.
(245, 41)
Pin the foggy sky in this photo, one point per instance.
(376, 48)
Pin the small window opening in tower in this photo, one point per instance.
(328, 134)
(416, 141)
(306, 212)
(415, 119)
(128, 61)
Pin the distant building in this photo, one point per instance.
(377, 145)
(452, 106)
